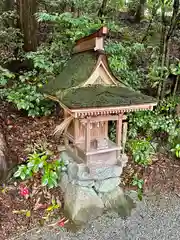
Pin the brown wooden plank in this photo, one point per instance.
(124, 137)
(119, 130)
(100, 33)
(87, 136)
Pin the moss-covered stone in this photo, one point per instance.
(103, 96)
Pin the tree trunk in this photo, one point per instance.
(154, 12)
(102, 8)
(176, 85)
(174, 21)
(6, 161)
(27, 23)
(139, 15)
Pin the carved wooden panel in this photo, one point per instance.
(99, 81)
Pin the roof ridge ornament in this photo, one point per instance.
(94, 41)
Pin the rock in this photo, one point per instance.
(72, 171)
(64, 182)
(66, 158)
(106, 172)
(64, 169)
(82, 204)
(84, 183)
(113, 198)
(83, 172)
(122, 161)
(117, 201)
(107, 185)
(78, 172)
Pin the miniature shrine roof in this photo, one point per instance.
(102, 96)
(87, 81)
(77, 71)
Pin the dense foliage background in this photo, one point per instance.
(36, 40)
(37, 37)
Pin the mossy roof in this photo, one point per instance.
(103, 96)
(78, 69)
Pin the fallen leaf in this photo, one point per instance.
(28, 214)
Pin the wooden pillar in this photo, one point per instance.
(76, 130)
(76, 134)
(87, 136)
(66, 142)
(106, 128)
(124, 138)
(119, 133)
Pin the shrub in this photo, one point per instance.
(176, 150)
(123, 62)
(41, 163)
(152, 124)
(26, 97)
(141, 150)
(139, 184)
(161, 124)
(5, 76)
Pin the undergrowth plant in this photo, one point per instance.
(138, 182)
(123, 59)
(141, 150)
(27, 97)
(176, 150)
(41, 164)
(161, 125)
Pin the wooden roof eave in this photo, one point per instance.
(103, 31)
(104, 111)
(100, 62)
(60, 103)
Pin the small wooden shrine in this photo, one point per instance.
(91, 96)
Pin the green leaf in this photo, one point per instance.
(140, 194)
(17, 174)
(30, 164)
(22, 176)
(44, 180)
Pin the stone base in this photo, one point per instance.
(112, 199)
(89, 191)
(107, 185)
(82, 203)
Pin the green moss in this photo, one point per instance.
(104, 96)
(66, 87)
(77, 71)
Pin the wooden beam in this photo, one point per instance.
(111, 110)
(76, 130)
(119, 134)
(124, 137)
(84, 46)
(103, 118)
(106, 129)
(66, 141)
(100, 33)
(87, 136)
(119, 130)
(99, 44)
